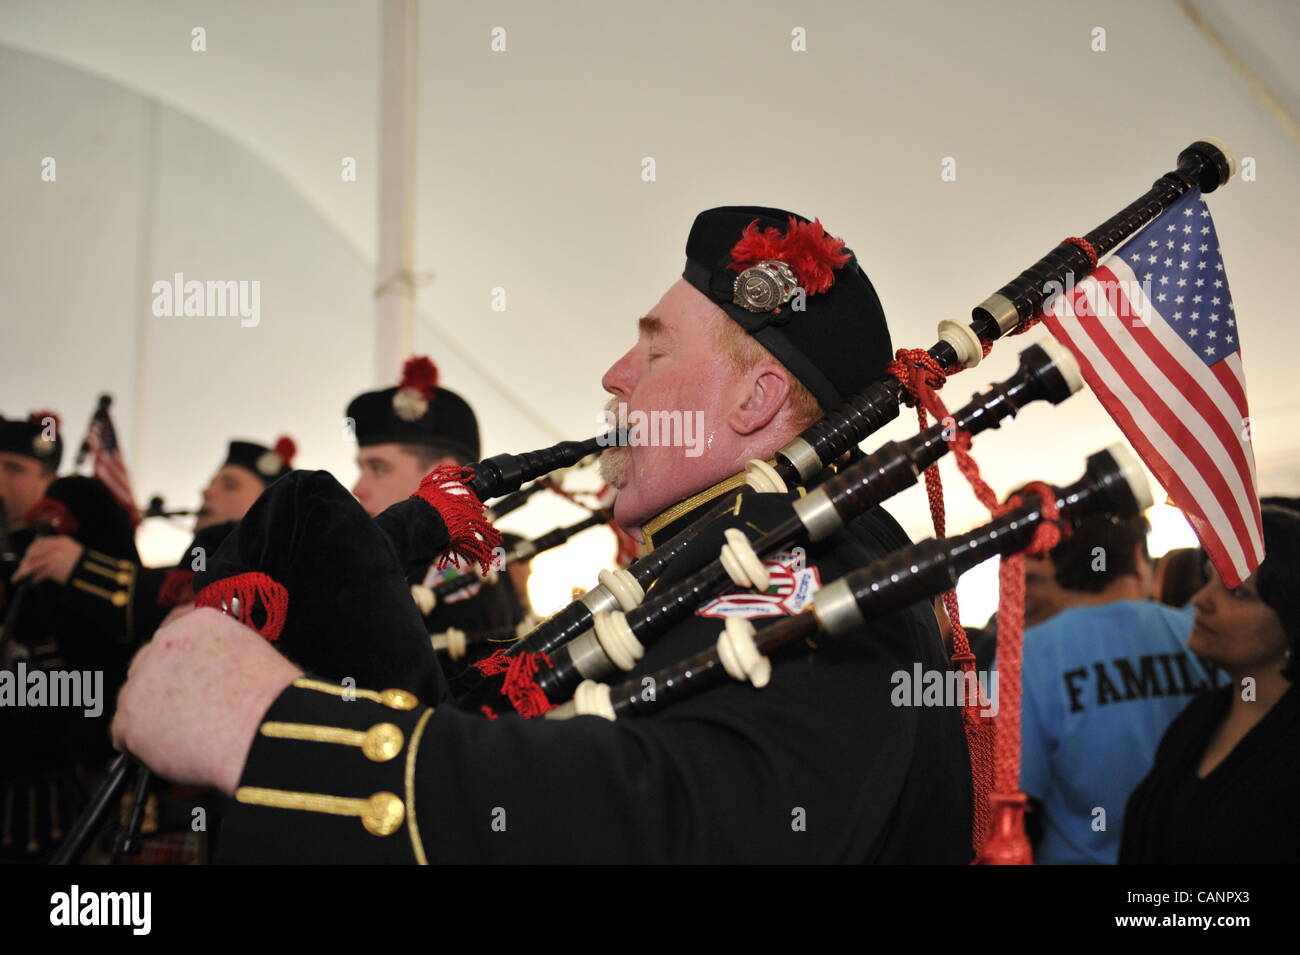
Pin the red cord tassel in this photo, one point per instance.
(1007, 843)
(472, 536)
(237, 596)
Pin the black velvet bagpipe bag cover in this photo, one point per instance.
(350, 612)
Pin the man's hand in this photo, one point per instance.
(194, 697)
(50, 558)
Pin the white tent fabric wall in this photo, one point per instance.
(148, 193)
(531, 166)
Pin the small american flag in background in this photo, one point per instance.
(1156, 336)
(108, 465)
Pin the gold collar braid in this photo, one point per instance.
(681, 508)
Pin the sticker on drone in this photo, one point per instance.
(456, 568)
(789, 591)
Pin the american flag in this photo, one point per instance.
(108, 465)
(1156, 335)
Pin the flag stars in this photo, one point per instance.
(1187, 247)
(1209, 351)
(1193, 333)
(1218, 283)
(1205, 230)
(1210, 333)
(1205, 213)
(1136, 257)
(1195, 315)
(1179, 299)
(1169, 244)
(1178, 316)
(1164, 280)
(1151, 259)
(1200, 282)
(1187, 211)
(1228, 339)
(1187, 230)
(1196, 298)
(1153, 243)
(1219, 267)
(1182, 282)
(1182, 265)
(1202, 247)
(1161, 297)
(1214, 317)
(1215, 300)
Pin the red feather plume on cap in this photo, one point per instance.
(806, 248)
(286, 449)
(37, 417)
(420, 374)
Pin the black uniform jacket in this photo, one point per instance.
(816, 767)
(41, 747)
(1241, 813)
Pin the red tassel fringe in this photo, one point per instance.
(249, 589)
(49, 515)
(520, 686)
(472, 536)
(177, 588)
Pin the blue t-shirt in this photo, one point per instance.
(1101, 684)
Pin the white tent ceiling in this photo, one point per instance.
(530, 161)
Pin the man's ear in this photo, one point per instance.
(767, 385)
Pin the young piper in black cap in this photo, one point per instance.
(30, 451)
(248, 469)
(44, 748)
(121, 596)
(402, 434)
(773, 320)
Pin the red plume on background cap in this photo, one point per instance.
(805, 247)
(286, 449)
(420, 374)
(38, 417)
(419, 386)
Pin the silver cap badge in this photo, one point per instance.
(763, 287)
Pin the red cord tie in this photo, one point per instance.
(238, 595)
(472, 535)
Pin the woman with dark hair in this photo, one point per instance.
(1226, 778)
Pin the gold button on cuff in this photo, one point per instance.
(383, 814)
(379, 744)
(383, 741)
(398, 699)
(119, 598)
